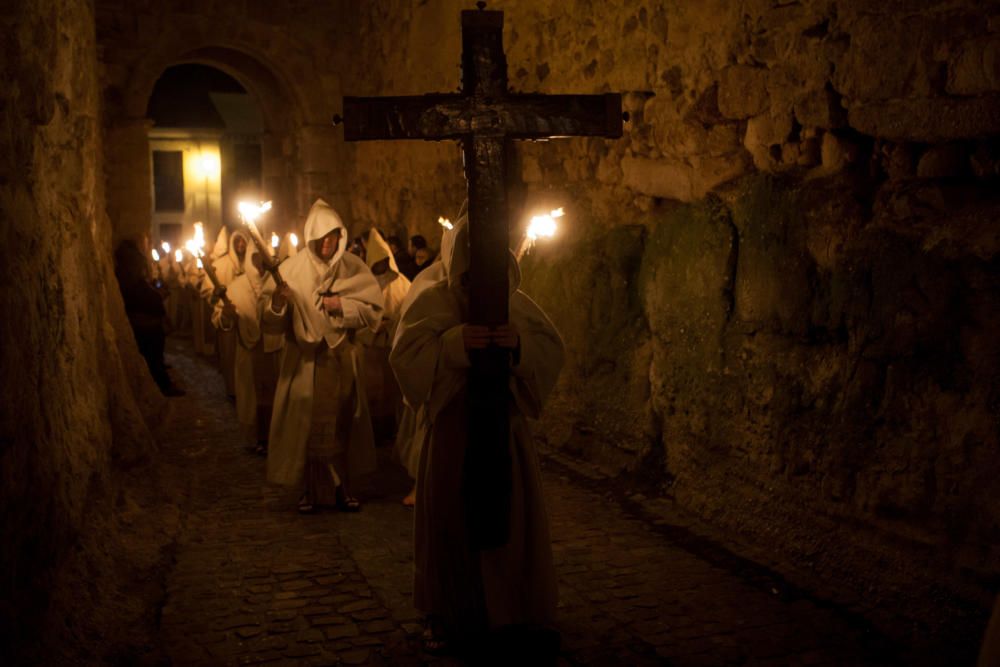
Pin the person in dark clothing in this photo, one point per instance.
(357, 247)
(146, 312)
(422, 254)
(404, 262)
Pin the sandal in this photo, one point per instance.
(346, 503)
(305, 506)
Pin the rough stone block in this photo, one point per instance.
(682, 181)
(763, 139)
(928, 119)
(686, 274)
(742, 91)
(946, 161)
(772, 284)
(836, 152)
(975, 68)
(658, 178)
(820, 108)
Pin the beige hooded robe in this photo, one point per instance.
(227, 268)
(414, 426)
(306, 328)
(468, 590)
(253, 347)
(383, 392)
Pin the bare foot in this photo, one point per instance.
(411, 498)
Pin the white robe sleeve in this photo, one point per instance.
(541, 356)
(428, 356)
(274, 322)
(453, 352)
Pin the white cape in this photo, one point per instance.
(306, 327)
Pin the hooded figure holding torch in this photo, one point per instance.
(321, 433)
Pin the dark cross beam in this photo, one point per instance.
(485, 116)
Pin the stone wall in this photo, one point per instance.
(76, 398)
(780, 289)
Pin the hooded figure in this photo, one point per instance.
(227, 268)
(257, 354)
(232, 262)
(413, 425)
(383, 392)
(320, 429)
(465, 591)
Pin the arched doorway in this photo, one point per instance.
(261, 159)
(205, 151)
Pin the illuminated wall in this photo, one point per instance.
(200, 167)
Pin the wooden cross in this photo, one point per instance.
(485, 116)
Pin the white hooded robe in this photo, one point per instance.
(306, 328)
(383, 391)
(253, 347)
(227, 268)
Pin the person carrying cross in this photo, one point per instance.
(465, 590)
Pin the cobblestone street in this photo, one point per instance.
(256, 583)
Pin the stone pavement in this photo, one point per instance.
(256, 583)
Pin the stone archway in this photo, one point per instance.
(129, 177)
(301, 160)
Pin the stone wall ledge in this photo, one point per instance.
(928, 119)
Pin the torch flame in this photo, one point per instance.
(199, 236)
(544, 225)
(294, 239)
(251, 212)
(445, 222)
(156, 255)
(274, 240)
(178, 255)
(166, 247)
(200, 265)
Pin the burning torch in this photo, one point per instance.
(541, 226)
(250, 213)
(194, 248)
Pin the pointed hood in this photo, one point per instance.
(378, 249)
(221, 246)
(322, 220)
(238, 266)
(455, 254)
(253, 276)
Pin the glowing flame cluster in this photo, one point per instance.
(178, 255)
(544, 225)
(445, 222)
(251, 212)
(294, 239)
(156, 255)
(195, 245)
(166, 247)
(275, 240)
